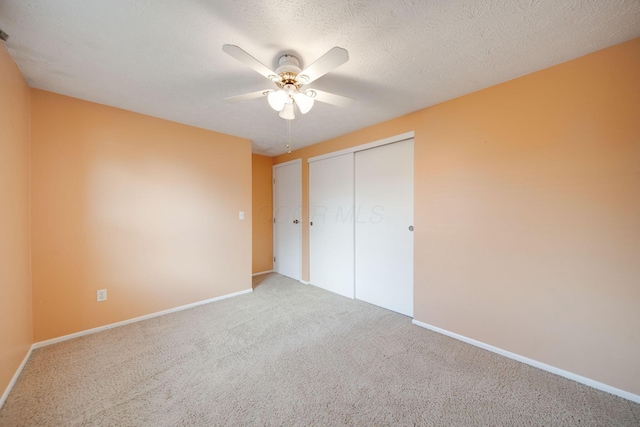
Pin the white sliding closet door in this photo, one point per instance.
(384, 226)
(331, 224)
(287, 213)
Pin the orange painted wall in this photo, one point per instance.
(527, 214)
(143, 207)
(262, 197)
(15, 265)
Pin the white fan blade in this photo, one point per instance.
(327, 62)
(250, 61)
(331, 98)
(247, 96)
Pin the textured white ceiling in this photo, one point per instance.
(164, 57)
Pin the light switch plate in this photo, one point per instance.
(241, 215)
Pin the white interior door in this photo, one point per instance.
(331, 215)
(384, 215)
(287, 214)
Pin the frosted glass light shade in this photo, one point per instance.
(277, 99)
(304, 102)
(287, 112)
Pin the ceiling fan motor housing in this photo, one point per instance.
(288, 63)
(288, 71)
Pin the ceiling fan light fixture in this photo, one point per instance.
(277, 99)
(289, 77)
(287, 112)
(304, 102)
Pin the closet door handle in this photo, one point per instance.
(411, 228)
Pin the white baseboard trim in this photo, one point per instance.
(136, 319)
(262, 272)
(534, 363)
(15, 378)
(304, 282)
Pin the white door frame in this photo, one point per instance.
(273, 174)
(378, 143)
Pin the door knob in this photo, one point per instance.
(295, 221)
(411, 228)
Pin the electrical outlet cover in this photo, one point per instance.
(102, 295)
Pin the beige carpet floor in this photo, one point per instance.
(290, 354)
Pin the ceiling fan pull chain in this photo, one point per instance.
(289, 136)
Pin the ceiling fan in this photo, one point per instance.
(290, 79)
